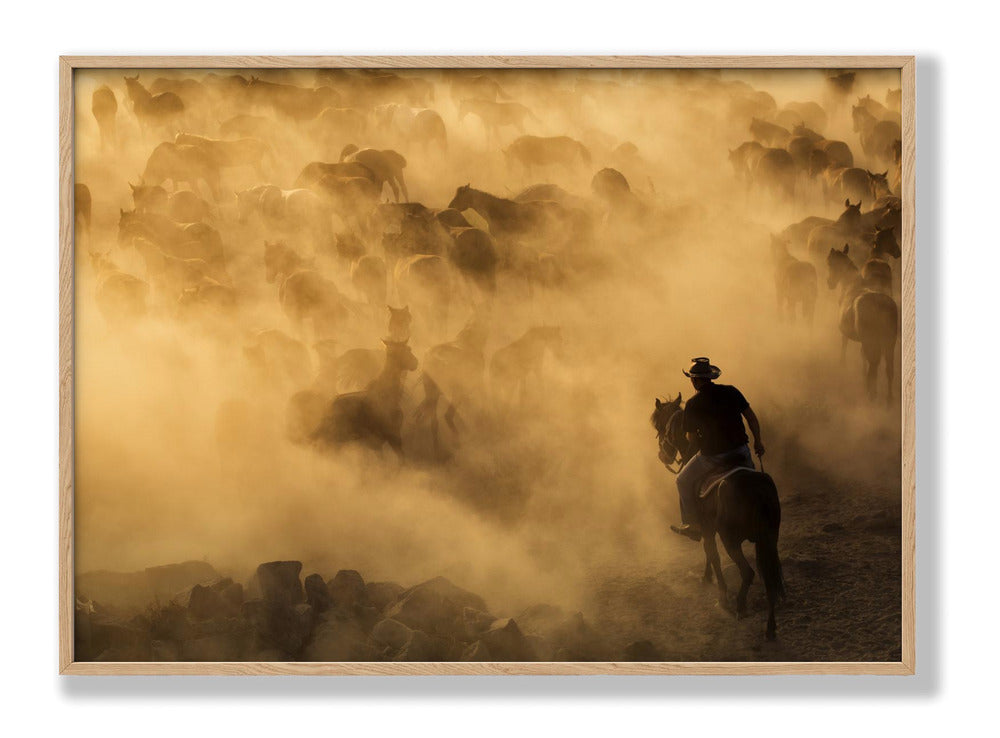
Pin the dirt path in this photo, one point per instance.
(841, 553)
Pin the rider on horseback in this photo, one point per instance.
(713, 421)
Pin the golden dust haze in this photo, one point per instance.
(182, 450)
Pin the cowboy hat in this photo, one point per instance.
(702, 368)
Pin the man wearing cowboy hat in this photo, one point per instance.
(713, 420)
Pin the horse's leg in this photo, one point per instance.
(712, 560)
(872, 358)
(707, 576)
(735, 551)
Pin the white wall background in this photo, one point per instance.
(957, 90)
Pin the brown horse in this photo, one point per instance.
(868, 316)
(794, 281)
(743, 506)
(373, 416)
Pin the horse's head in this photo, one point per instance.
(851, 217)
(462, 199)
(819, 161)
(399, 355)
(399, 321)
(886, 243)
(880, 183)
(839, 265)
(671, 444)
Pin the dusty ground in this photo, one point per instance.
(841, 554)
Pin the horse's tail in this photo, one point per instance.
(768, 524)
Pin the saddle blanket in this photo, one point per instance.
(713, 481)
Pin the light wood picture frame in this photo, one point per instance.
(69, 66)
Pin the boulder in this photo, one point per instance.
(435, 607)
(419, 647)
(337, 640)
(391, 633)
(279, 625)
(475, 623)
(205, 603)
(165, 651)
(576, 640)
(642, 651)
(165, 581)
(278, 582)
(383, 594)
(506, 642)
(317, 593)
(478, 651)
(347, 590)
(232, 595)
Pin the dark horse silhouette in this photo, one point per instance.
(744, 506)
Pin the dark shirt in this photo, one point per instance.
(714, 417)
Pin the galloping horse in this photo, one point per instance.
(742, 506)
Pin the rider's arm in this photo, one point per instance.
(751, 416)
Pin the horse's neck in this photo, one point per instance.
(388, 385)
(139, 93)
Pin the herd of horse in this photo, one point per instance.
(270, 194)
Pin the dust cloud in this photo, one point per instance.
(182, 428)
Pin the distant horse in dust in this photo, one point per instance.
(162, 111)
(373, 416)
(741, 506)
(517, 365)
(795, 282)
(867, 316)
(104, 107)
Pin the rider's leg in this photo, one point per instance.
(688, 481)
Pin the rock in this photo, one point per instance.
(435, 607)
(478, 651)
(391, 633)
(347, 589)
(169, 623)
(418, 648)
(642, 651)
(165, 581)
(541, 619)
(579, 641)
(232, 595)
(279, 625)
(425, 610)
(165, 651)
(317, 593)
(278, 581)
(475, 623)
(382, 594)
(205, 603)
(335, 640)
(112, 638)
(506, 642)
(541, 647)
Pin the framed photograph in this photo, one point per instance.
(487, 365)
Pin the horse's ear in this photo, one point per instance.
(678, 400)
(133, 187)
(847, 202)
(847, 246)
(885, 173)
(658, 403)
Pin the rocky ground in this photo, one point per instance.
(278, 616)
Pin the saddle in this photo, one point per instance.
(716, 478)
